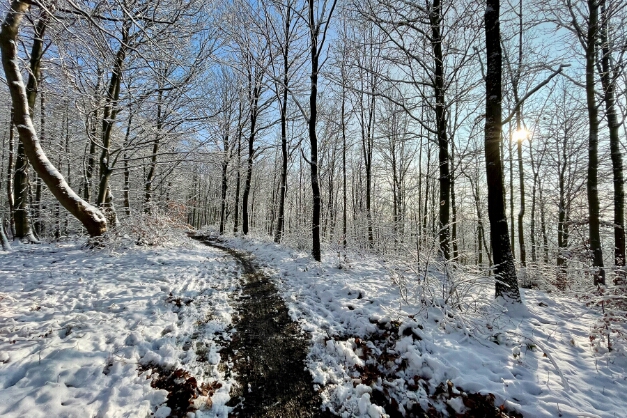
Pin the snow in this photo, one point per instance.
(78, 327)
(76, 324)
(538, 360)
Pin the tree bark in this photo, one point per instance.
(608, 81)
(225, 167)
(10, 167)
(153, 156)
(593, 144)
(238, 175)
(313, 139)
(39, 226)
(507, 283)
(6, 246)
(104, 199)
(367, 132)
(454, 212)
(562, 237)
(93, 131)
(280, 225)
(521, 212)
(254, 94)
(519, 127)
(90, 217)
(344, 194)
(21, 184)
(435, 18)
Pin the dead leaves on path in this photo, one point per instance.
(182, 387)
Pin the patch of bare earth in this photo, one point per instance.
(267, 352)
(383, 367)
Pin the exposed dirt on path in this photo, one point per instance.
(267, 353)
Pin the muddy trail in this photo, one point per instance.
(267, 353)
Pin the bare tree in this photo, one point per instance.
(319, 15)
(90, 217)
(505, 270)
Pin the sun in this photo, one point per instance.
(520, 134)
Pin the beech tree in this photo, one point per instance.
(319, 15)
(504, 268)
(89, 216)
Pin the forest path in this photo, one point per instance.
(267, 351)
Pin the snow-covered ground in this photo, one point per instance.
(541, 363)
(78, 325)
(79, 328)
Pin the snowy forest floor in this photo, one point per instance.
(191, 329)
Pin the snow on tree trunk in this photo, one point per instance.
(91, 218)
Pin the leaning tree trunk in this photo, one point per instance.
(593, 145)
(505, 270)
(91, 218)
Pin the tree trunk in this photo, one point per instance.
(561, 224)
(505, 271)
(109, 115)
(127, 171)
(280, 226)
(545, 238)
(512, 224)
(10, 167)
(153, 157)
(238, 176)
(6, 246)
(225, 167)
(344, 203)
(608, 81)
(21, 184)
(519, 128)
(532, 230)
(425, 211)
(521, 212)
(435, 18)
(39, 229)
(91, 218)
(314, 30)
(93, 131)
(593, 144)
(255, 93)
(454, 213)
